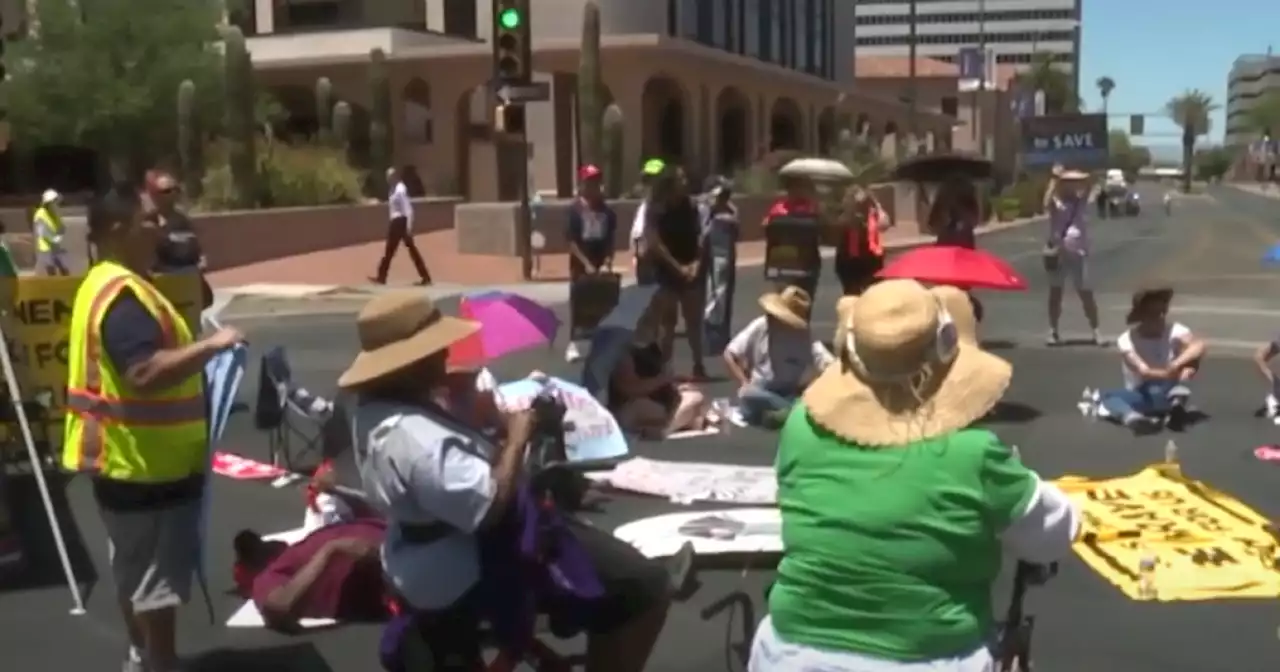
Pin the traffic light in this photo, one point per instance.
(509, 119)
(1137, 124)
(512, 48)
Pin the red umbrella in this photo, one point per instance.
(958, 266)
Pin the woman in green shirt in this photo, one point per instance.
(895, 514)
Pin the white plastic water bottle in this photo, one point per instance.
(1147, 575)
(722, 408)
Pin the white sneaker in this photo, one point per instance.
(1272, 405)
(571, 353)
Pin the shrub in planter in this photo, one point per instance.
(291, 176)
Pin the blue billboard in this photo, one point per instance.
(1077, 141)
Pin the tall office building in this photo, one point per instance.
(1252, 76)
(1013, 30)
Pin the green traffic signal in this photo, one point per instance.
(509, 19)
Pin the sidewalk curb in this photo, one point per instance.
(316, 296)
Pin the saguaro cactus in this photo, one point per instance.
(240, 118)
(342, 125)
(590, 87)
(324, 109)
(189, 138)
(380, 121)
(613, 151)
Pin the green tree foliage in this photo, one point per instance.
(1057, 84)
(1213, 163)
(1125, 155)
(1190, 110)
(101, 75)
(1105, 86)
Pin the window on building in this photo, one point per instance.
(689, 23)
(751, 20)
(460, 18)
(673, 18)
(771, 28)
(951, 106)
(311, 14)
(713, 13)
(786, 24)
(822, 46)
(803, 40)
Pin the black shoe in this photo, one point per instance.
(377, 281)
(700, 373)
(425, 282)
(1178, 419)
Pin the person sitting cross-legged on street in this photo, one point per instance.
(647, 399)
(775, 357)
(1160, 358)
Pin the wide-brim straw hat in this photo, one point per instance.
(791, 306)
(905, 375)
(398, 330)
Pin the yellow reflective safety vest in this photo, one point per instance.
(113, 430)
(50, 221)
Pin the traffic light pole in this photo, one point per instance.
(524, 218)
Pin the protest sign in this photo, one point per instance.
(689, 482)
(38, 321)
(1204, 544)
(593, 434)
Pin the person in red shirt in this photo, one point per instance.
(334, 572)
(800, 198)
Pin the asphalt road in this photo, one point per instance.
(1209, 250)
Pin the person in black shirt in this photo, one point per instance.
(179, 249)
(673, 245)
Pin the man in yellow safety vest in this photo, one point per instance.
(49, 230)
(137, 423)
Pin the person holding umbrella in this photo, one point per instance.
(955, 215)
(1066, 253)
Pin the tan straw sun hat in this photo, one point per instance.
(791, 306)
(844, 316)
(905, 374)
(397, 330)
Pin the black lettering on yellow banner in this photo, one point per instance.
(41, 312)
(1105, 495)
(1200, 519)
(1211, 556)
(1166, 497)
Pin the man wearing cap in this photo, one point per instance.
(137, 423)
(49, 230)
(1066, 253)
(592, 227)
(652, 169)
(453, 497)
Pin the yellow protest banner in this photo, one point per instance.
(1203, 543)
(38, 318)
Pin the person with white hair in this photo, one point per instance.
(50, 230)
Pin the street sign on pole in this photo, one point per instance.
(526, 92)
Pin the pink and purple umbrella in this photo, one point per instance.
(509, 323)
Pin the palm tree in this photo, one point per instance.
(1105, 86)
(1057, 84)
(1191, 111)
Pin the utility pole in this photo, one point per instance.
(913, 85)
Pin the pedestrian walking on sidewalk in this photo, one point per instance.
(400, 231)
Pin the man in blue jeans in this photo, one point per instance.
(775, 357)
(1160, 359)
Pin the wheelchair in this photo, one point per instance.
(455, 640)
(1013, 643)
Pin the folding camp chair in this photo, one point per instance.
(287, 412)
